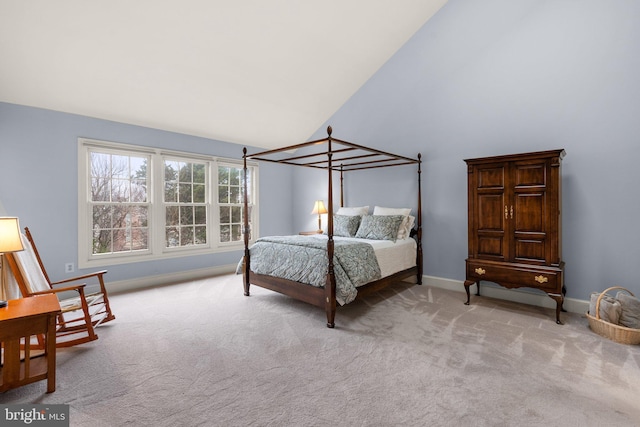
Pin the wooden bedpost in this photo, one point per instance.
(330, 286)
(245, 228)
(341, 187)
(419, 219)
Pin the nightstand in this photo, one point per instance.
(309, 233)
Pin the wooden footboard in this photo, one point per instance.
(319, 296)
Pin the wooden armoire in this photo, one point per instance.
(515, 223)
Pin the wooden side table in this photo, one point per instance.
(309, 233)
(19, 321)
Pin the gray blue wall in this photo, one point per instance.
(493, 77)
(39, 184)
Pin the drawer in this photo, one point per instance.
(548, 279)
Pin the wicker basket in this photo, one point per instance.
(617, 333)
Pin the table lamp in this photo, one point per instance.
(318, 208)
(10, 241)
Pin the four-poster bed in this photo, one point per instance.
(334, 155)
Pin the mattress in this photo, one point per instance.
(392, 256)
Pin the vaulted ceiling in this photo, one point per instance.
(256, 72)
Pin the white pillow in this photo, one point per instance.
(405, 227)
(407, 223)
(360, 211)
(378, 210)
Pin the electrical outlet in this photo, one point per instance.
(68, 267)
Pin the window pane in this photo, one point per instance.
(223, 175)
(235, 195)
(223, 194)
(185, 172)
(235, 174)
(100, 189)
(120, 167)
(101, 241)
(200, 215)
(201, 235)
(100, 165)
(225, 215)
(236, 214)
(186, 236)
(186, 215)
(139, 238)
(172, 216)
(138, 167)
(185, 193)
(120, 217)
(119, 190)
(101, 216)
(121, 240)
(199, 175)
(171, 192)
(139, 216)
(236, 232)
(138, 190)
(199, 193)
(225, 233)
(171, 171)
(172, 237)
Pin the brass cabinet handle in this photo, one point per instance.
(480, 271)
(506, 212)
(541, 279)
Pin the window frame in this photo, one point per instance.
(157, 216)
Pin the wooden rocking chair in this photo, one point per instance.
(81, 313)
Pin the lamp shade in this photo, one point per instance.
(318, 208)
(10, 240)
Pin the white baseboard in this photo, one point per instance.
(525, 296)
(167, 279)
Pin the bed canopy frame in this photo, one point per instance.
(333, 155)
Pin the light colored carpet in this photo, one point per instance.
(203, 354)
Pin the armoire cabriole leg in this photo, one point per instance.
(467, 284)
(559, 300)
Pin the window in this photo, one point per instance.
(186, 204)
(138, 203)
(231, 203)
(119, 201)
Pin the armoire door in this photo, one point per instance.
(490, 226)
(529, 210)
